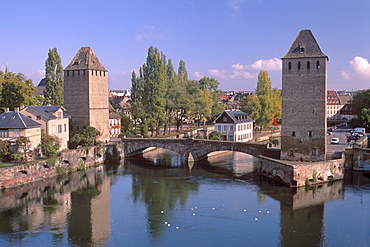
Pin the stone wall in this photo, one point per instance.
(297, 174)
(68, 161)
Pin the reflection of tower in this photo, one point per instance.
(302, 226)
(86, 93)
(89, 219)
(304, 89)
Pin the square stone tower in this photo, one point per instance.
(304, 90)
(86, 93)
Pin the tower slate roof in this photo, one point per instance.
(16, 120)
(85, 59)
(305, 45)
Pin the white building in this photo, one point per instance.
(234, 125)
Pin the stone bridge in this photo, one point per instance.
(195, 148)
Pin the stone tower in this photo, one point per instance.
(86, 93)
(304, 89)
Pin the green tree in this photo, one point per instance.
(361, 108)
(23, 143)
(16, 90)
(215, 135)
(262, 106)
(4, 149)
(49, 144)
(87, 138)
(54, 79)
(127, 125)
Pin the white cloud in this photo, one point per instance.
(234, 4)
(361, 66)
(36, 76)
(151, 32)
(237, 66)
(198, 75)
(345, 75)
(270, 64)
(243, 74)
(218, 73)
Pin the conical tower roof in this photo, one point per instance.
(85, 59)
(305, 45)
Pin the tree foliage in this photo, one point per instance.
(265, 104)
(23, 143)
(87, 138)
(160, 96)
(361, 109)
(49, 144)
(16, 90)
(4, 149)
(53, 93)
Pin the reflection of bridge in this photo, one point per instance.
(197, 148)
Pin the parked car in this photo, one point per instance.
(334, 140)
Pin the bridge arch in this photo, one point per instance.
(199, 149)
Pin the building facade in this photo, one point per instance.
(53, 120)
(304, 95)
(86, 93)
(14, 124)
(234, 125)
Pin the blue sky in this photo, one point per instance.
(230, 40)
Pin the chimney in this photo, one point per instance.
(16, 109)
(7, 109)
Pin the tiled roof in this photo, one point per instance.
(305, 45)
(16, 120)
(42, 83)
(85, 59)
(45, 110)
(238, 116)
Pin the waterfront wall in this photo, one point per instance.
(67, 161)
(297, 174)
(357, 159)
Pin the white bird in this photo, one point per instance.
(193, 214)
(162, 212)
(168, 224)
(255, 218)
(165, 222)
(214, 208)
(177, 227)
(260, 211)
(245, 210)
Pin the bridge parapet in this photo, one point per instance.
(197, 148)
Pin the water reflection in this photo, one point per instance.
(79, 209)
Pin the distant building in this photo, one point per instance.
(53, 120)
(86, 93)
(304, 95)
(234, 125)
(14, 124)
(114, 124)
(41, 87)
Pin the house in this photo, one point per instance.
(234, 125)
(114, 124)
(14, 124)
(53, 120)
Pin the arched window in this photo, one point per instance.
(317, 65)
(289, 65)
(308, 65)
(299, 65)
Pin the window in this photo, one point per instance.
(313, 151)
(38, 117)
(225, 127)
(289, 65)
(28, 132)
(59, 128)
(291, 152)
(310, 133)
(65, 127)
(293, 133)
(4, 133)
(308, 65)
(231, 128)
(224, 119)
(16, 132)
(317, 65)
(299, 65)
(218, 128)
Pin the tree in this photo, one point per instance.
(54, 79)
(265, 104)
(126, 124)
(361, 109)
(23, 143)
(16, 90)
(215, 135)
(49, 144)
(4, 149)
(87, 138)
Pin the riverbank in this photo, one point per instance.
(67, 162)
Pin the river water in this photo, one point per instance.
(161, 201)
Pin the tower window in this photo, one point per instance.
(308, 65)
(310, 133)
(289, 65)
(299, 65)
(293, 133)
(317, 65)
(301, 49)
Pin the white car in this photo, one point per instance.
(334, 140)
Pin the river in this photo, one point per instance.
(159, 200)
